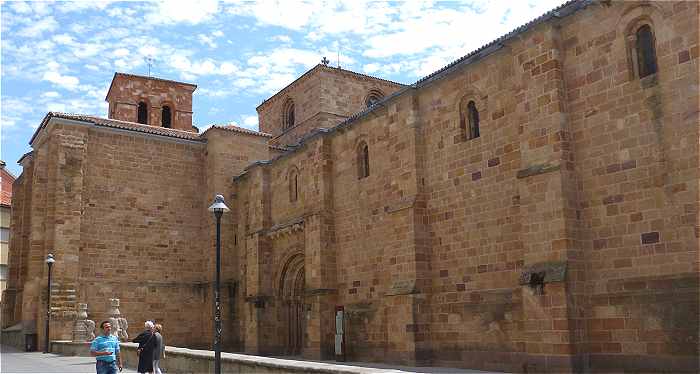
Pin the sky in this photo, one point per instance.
(61, 56)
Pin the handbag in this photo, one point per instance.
(140, 349)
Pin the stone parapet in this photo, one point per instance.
(184, 360)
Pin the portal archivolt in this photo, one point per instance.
(291, 290)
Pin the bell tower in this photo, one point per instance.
(151, 101)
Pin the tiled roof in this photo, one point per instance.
(154, 79)
(238, 130)
(28, 154)
(279, 147)
(113, 123)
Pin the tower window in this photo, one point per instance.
(646, 52)
(142, 115)
(362, 161)
(288, 120)
(469, 120)
(166, 117)
(373, 97)
(473, 120)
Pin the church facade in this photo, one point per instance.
(531, 207)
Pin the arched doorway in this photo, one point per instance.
(292, 292)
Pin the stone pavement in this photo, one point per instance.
(16, 361)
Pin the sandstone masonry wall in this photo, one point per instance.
(582, 171)
(128, 90)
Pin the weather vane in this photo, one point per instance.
(149, 61)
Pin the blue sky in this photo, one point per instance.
(61, 56)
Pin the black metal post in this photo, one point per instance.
(48, 311)
(217, 299)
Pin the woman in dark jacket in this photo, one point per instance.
(147, 343)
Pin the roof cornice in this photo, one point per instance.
(126, 75)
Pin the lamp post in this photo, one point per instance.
(49, 263)
(218, 207)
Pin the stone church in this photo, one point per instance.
(531, 207)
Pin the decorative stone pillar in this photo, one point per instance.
(119, 324)
(83, 328)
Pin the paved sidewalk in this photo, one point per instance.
(15, 361)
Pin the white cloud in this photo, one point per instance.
(121, 52)
(65, 81)
(218, 33)
(288, 14)
(214, 92)
(281, 38)
(148, 50)
(56, 107)
(194, 12)
(227, 68)
(40, 7)
(14, 111)
(6, 122)
(192, 69)
(122, 13)
(371, 68)
(77, 6)
(250, 121)
(38, 27)
(63, 39)
(51, 94)
(52, 65)
(206, 40)
(20, 7)
(84, 50)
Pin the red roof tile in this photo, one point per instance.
(113, 123)
(239, 130)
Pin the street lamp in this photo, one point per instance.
(49, 262)
(218, 207)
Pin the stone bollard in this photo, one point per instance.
(83, 328)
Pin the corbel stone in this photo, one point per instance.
(401, 204)
(402, 287)
(537, 169)
(552, 271)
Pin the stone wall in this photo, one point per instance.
(183, 360)
(638, 184)
(323, 97)
(127, 91)
(562, 239)
(583, 175)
